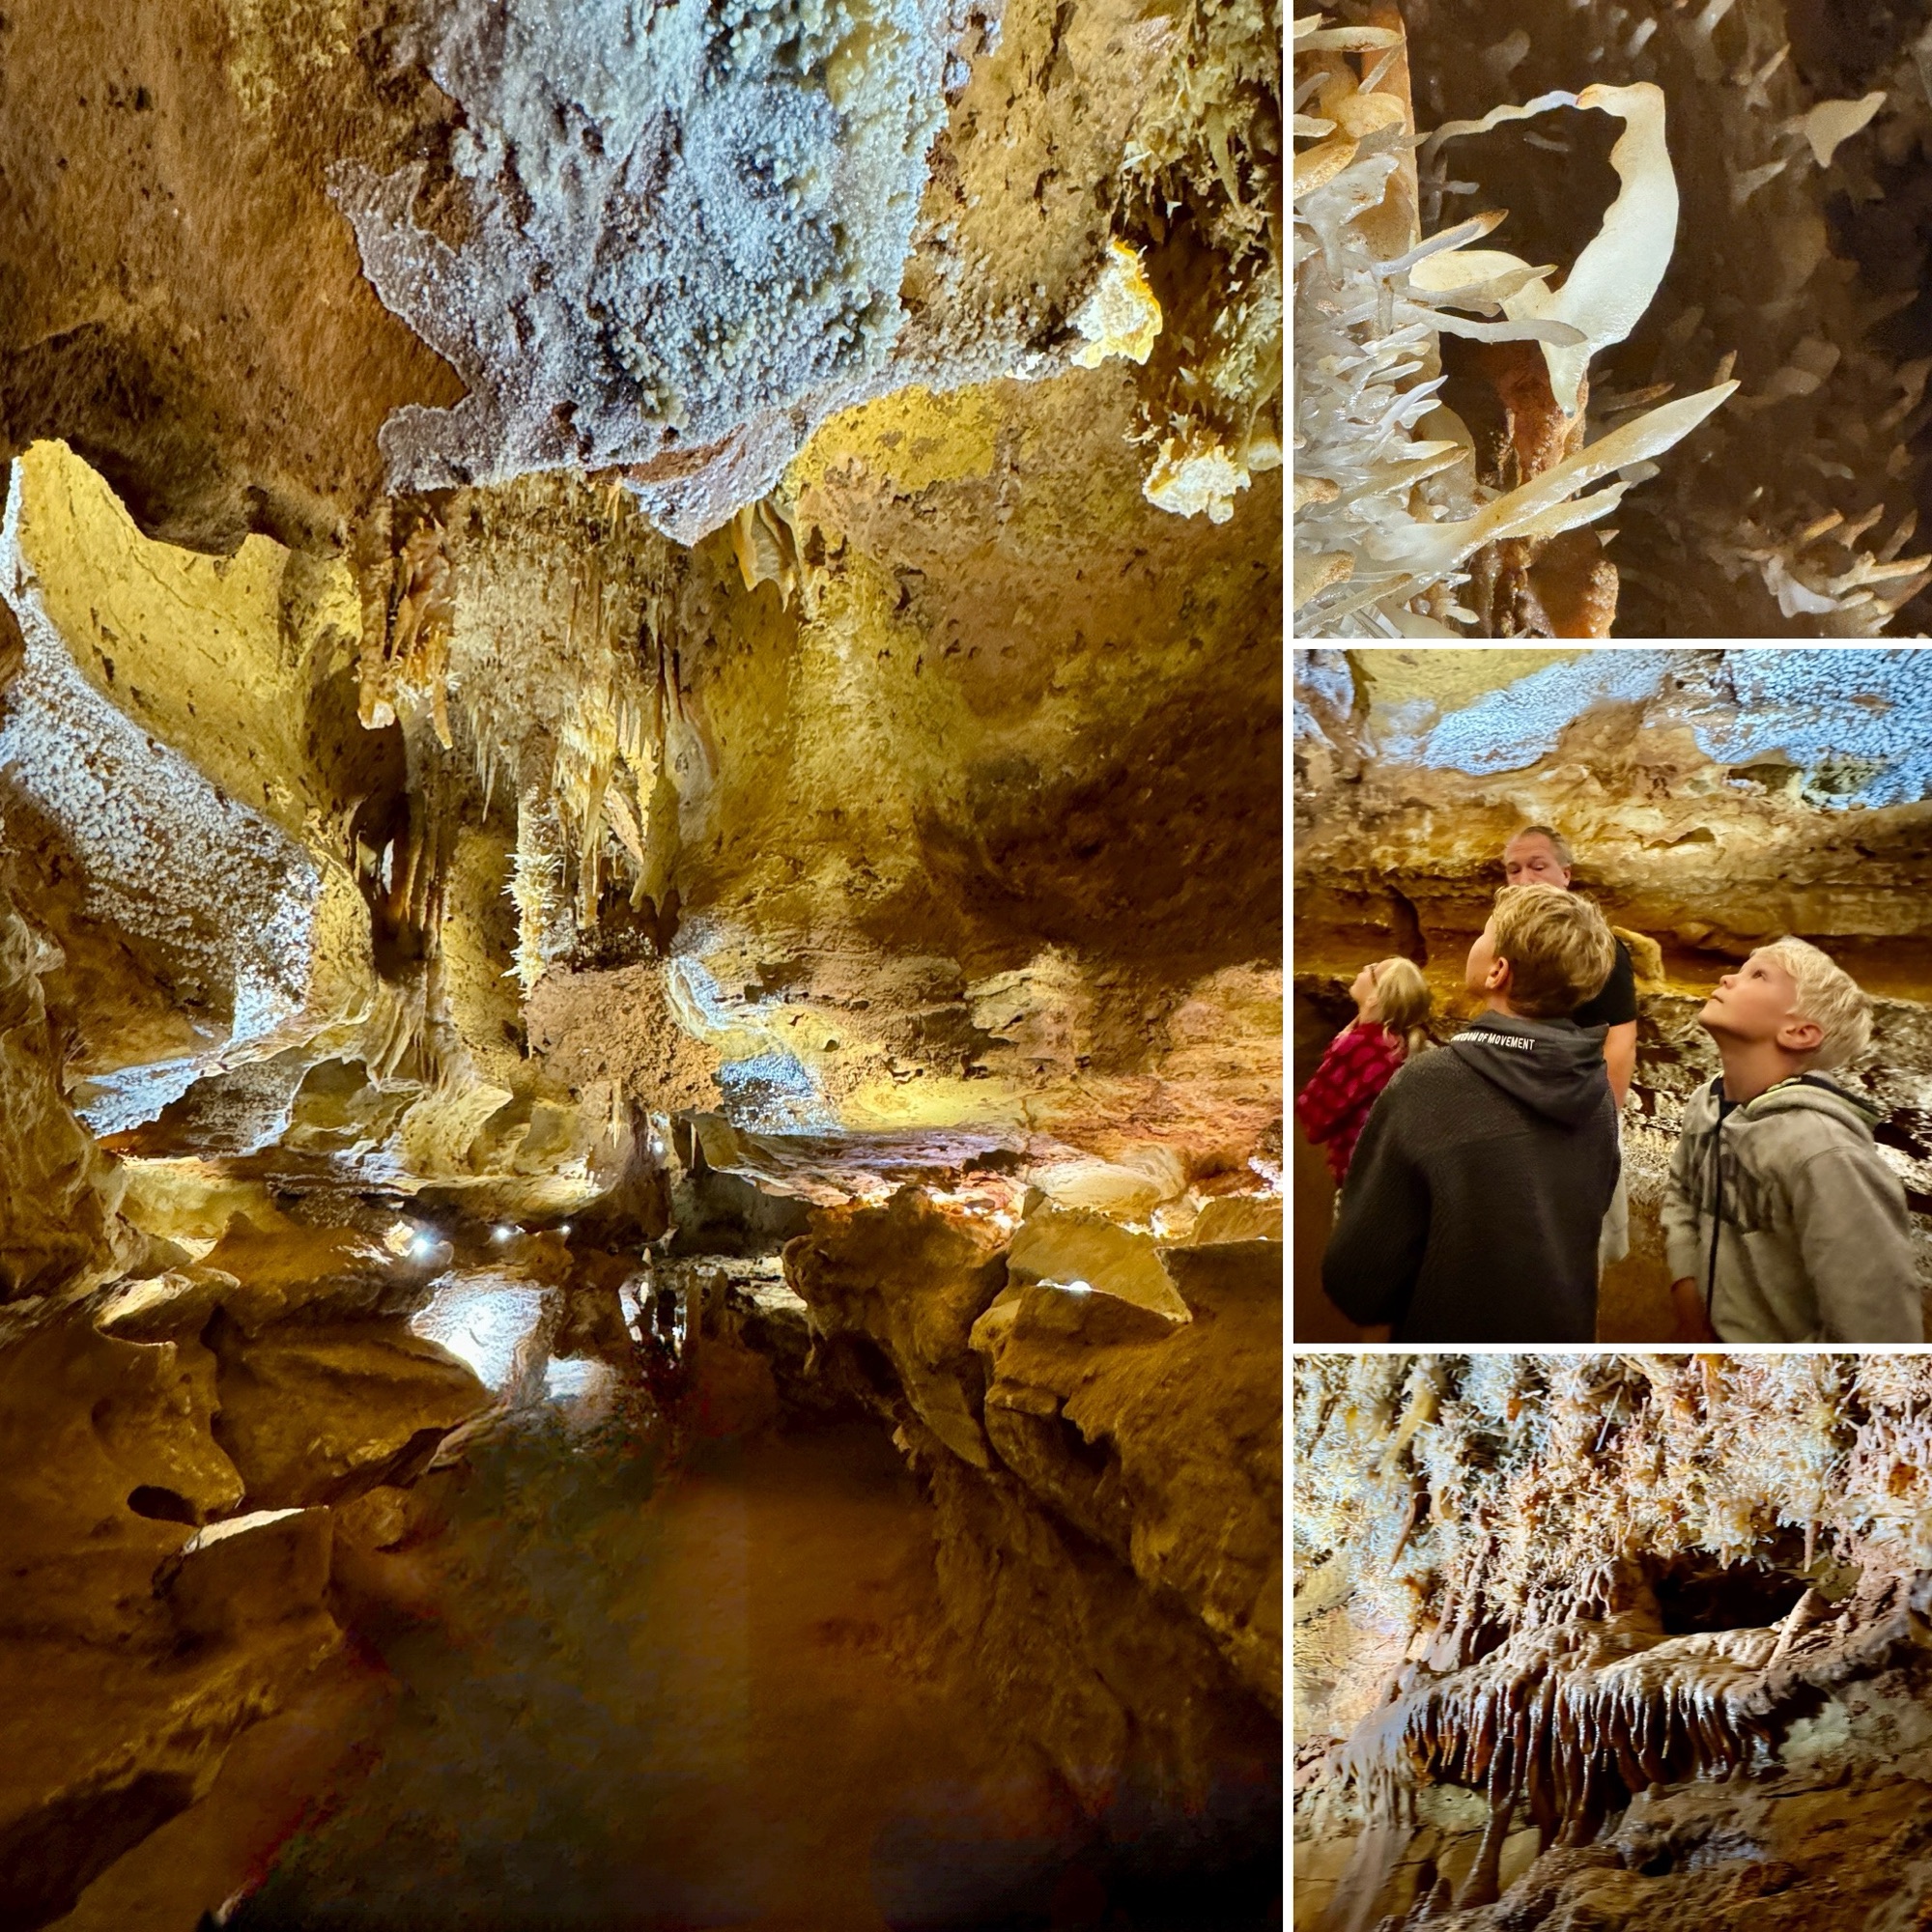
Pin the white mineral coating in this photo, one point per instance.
(688, 220)
(239, 927)
(1855, 724)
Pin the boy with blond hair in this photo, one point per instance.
(1473, 1204)
(1781, 1223)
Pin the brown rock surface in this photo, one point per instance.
(1633, 1636)
(910, 1280)
(317, 1412)
(1107, 1511)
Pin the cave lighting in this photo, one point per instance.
(503, 1232)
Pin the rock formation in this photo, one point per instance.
(1626, 1636)
(640, 728)
(1714, 800)
(1609, 321)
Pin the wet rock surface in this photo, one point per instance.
(1070, 1449)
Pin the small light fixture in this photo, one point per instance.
(564, 1230)
(423, 1246)
(503, 1232)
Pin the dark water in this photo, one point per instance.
(712, 1699)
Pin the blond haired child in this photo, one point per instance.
(1390, 1025)
(1478, 1189)
(1781, 1221)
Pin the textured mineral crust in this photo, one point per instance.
(1608, 320)
(1618, 1639)
(640, 746)
(1714, 800)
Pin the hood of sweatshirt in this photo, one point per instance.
(1812, 1093)
(1553, 1067)
(1782, 1212)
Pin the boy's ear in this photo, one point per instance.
(1501, 973)
(1800, 1036)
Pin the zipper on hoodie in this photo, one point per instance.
(1725, 1109)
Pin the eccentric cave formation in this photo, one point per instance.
(1714, 800)
(1611, 319)
(1616, 1639)
(640, 968)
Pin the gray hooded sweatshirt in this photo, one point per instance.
(1784, 1214)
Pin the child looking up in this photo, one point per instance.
(1781, 1222)
(1391, 1007)
(1479, 1185)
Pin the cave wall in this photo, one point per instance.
(1609, 1635)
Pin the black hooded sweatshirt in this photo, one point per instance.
(1478, 1189)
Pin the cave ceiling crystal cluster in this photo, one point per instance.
(688, 222)
(1610, 320)
(1548, 1610)
(639, 751)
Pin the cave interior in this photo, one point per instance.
(640, 965)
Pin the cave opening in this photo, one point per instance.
(1695, 1595)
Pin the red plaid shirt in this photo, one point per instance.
(1334, 1106)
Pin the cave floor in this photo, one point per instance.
(635, 1697)
(619, 1693)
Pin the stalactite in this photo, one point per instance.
(1572, 1502)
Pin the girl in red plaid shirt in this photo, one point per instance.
(1391, 1006)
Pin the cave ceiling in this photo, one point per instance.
(584, 570)
(1616, 1639)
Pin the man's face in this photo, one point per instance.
(1532, 862)
(1752, 1003)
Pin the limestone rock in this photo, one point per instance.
(1748, 1551)
(318, 1412)
(911, 1280)
(110, 1461)
(58, 1196)
(263, 1568)
(1082, 1253)
(1161, 1442)
(1123, 1689)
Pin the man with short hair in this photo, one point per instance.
(1782, 1223)
(1539, 856)
(1472, 1207)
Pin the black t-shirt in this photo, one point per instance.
(1617, 1002)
